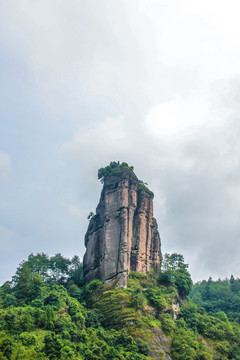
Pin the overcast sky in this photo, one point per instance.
(154, 83)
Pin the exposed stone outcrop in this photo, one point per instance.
(123, 235)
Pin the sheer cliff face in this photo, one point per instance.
(123, 235)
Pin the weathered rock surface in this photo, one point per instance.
(123, 235)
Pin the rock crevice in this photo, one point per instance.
(123, 235)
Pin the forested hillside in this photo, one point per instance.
(220, 295)
(47, 312)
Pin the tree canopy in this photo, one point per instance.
(174, 272)
(104, 172)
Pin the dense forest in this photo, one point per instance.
(47, 312)
(220, 295)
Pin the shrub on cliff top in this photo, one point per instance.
(103, 173)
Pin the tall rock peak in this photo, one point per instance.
(122, 236)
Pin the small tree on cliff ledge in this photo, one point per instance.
(103, 173)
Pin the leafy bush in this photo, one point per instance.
(168, 325)
(52, 346)
(136, 275)
(28, 339)
(156, 298)
(138, 300)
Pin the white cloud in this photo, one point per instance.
(5, 168)
(201, 35)
(179, 116)
(74, 210)
(137, 81)
(100, 142)
(73, 51)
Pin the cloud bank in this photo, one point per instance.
(152, 83)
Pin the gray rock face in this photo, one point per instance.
(123, 235)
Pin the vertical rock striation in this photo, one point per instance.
(123, 235)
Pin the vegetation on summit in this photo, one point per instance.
(112, 168)
(115, 167)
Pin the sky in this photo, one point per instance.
(154, 83)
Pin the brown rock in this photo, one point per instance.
(123, 235)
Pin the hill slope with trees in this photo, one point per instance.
(47, 312)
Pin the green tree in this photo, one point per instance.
(52, 346)
(27, 285)
(39, 264)
(184, 346)
(49, 318)
(6, 348)
(59, 267)
(174, 272)
(76, 271)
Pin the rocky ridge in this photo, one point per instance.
(122, 236)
